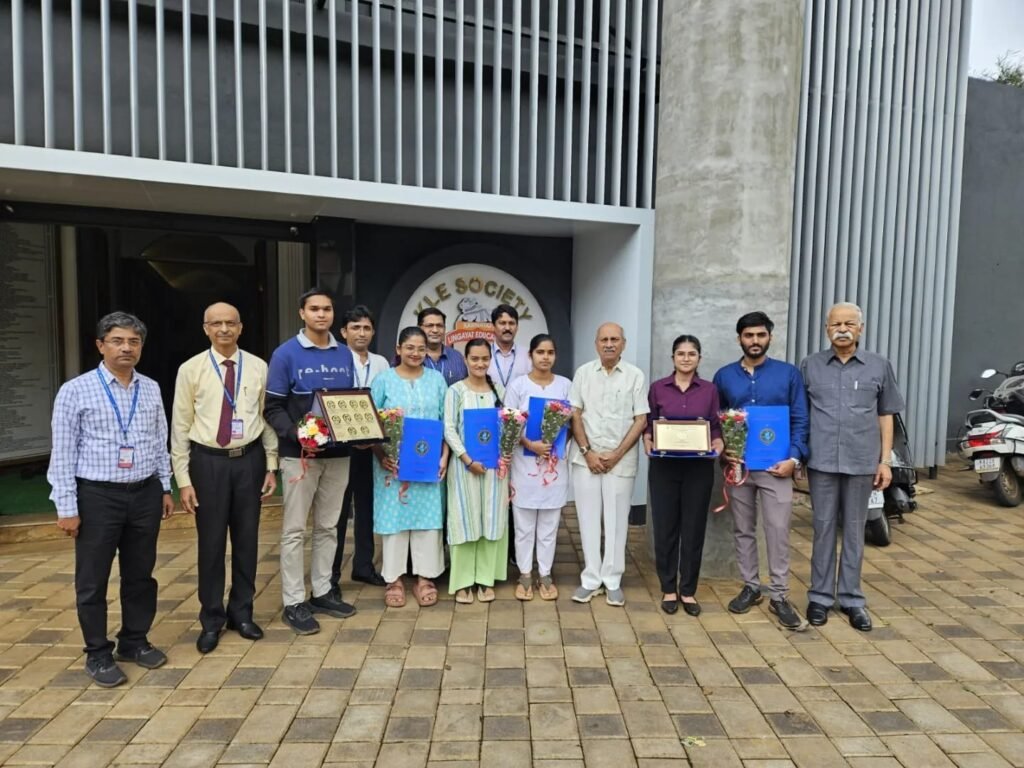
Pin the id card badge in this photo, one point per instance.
(237, 429)
(125, 457)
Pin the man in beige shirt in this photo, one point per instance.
(224, 457)
(609, 402)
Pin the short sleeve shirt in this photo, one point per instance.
(845, 402)
(610, 402)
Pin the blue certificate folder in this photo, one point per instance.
(419, 456)
(767, 436)
(482, 434)
(534, 417)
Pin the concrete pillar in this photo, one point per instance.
(729, 103)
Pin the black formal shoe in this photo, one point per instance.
(817, 614)
(670, 606)
(693, 609)
(250, 630)
(372, 578)
(207, 640)
(859, 618)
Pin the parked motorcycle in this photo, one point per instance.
(994, 439)
(898, 499)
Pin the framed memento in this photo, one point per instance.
(691, 437)
(350, 414)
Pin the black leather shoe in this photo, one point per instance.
(373, 578)
(250, 630)
(859, 618)
(207, 640)
(817, 614)
(670, 606)
(693, 609)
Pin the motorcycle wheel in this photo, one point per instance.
(877, 532)
(1007, 486)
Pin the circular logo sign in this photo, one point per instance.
(767, 436)
(484, 436)
(467, 293)
(422, 446)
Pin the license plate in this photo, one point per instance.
(990, 464)
(877, 500)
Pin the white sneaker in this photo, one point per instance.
(584, 595)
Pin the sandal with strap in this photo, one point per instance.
(485, 594)
(425, 592)
(524, 589)
(547, 588)
(464, 596)
(394, 595)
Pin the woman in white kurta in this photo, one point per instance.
(538, 497)
(477, 497)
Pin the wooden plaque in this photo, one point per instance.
(691, 437)
(350, 414)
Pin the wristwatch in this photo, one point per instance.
(584, 450)
(796, 462)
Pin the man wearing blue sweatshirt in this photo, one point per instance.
(308, 362)
(757, 379)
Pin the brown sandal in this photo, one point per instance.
(425, 592)
(484, 594)
(394, 595)
(524, 589)
(464, 596)
(547, 588)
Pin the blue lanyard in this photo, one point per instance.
(113, 404)
(511, 367)
(238, 379)
(433, 366)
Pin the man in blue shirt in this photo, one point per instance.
(110, 472)
(446, 360)
(310, 361)
(757, 379)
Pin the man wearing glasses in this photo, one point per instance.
(111, 480)
(446, 360)
(852, 395)
(224, 457)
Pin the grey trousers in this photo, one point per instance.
(776, 496)
(838, 501)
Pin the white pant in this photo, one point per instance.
(602, 499)
(538, 526)
(320, 491)
(427, 548)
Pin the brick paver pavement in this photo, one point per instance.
(939, 681)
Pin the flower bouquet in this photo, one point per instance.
(557, 413)
(513, 424)
(313, 433)
(391, 420)
(734, 434)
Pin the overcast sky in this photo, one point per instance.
(997, 26)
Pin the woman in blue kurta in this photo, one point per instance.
(412, 523)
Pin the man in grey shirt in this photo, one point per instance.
(852, 396)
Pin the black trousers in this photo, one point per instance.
(124, 523)
(680, 496)
(357, 503)
(228, 492)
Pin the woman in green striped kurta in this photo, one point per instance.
(477, 498)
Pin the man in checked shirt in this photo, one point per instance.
(110, 474)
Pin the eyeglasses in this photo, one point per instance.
(117, 341)
(228, 325)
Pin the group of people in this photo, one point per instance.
(234, 424)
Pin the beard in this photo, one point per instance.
(756, 355)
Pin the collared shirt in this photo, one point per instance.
(699, 401)
(199, 395)
(87, 436)
(451, 364)
(609, 402)
(773, 382)
(845, 403)
(363, 374)
(506, 368)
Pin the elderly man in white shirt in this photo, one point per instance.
(609, 401)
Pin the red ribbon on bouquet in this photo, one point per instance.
(734, 474)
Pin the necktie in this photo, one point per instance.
(226, 411)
